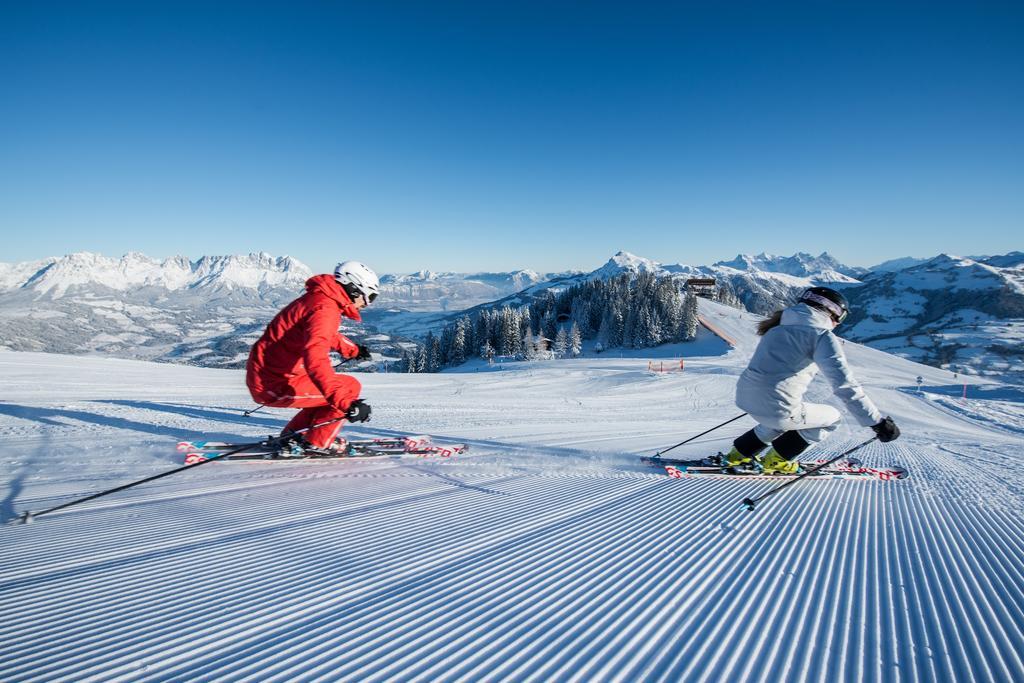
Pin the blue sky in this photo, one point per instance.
(478, 136)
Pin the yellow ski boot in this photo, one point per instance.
(736, 459)
(774, 463)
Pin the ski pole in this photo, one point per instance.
(751, 502)
(659, 453)
(29, 515)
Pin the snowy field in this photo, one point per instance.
(547, 553)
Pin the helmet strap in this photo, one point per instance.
(351, 290)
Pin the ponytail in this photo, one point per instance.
(768, 323)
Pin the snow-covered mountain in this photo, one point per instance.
(204, 312)
(946, 311)
(14, 275)
(758, 290)
(625, 262)
(949, 311)
(85, 272)
(892, 265)
(1015, 259)
(426, 290)
(823, 268)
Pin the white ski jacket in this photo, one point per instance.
(787, 359)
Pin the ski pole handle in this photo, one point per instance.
(258, 408)
(751, 502)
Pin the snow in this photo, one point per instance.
(545, 553)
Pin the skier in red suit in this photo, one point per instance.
(289, 366)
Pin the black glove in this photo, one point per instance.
(887, 430)
(364, 352)
(358, 411)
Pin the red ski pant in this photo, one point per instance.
(300, 392)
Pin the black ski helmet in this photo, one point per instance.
(828, 300)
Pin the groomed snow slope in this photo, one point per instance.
(547, 553)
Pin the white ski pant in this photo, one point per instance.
(813, 421)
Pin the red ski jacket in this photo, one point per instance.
(297, 341)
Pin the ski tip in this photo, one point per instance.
(749, 504)
(28, 517)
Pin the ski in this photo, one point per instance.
(852, 469)
(418, 447)
(712, 461)
(405, 442)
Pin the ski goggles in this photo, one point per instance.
(838, 312)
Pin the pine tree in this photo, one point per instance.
(458, 348)
(642, 329)
(445, 345)
(561, 344)
(483, 333)
(629, 328)
(529, 346)
(618, 331)
(575, 341)
(690, 319)
(580, 311)
(549, 328)
(469, 332)
(604, 331)
(525, 320)
(435, 359)
(508, 333)
(487, 351)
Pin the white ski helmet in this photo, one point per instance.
(357, 280)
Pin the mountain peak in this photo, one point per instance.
(57, 276)
(822, 268)
(626, 261)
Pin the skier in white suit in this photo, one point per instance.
(797, 342)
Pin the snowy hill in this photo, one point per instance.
(893, 265)
(759, 291)
(950, 312)
(760, 282)
(546, 553)
(1015, 259)
(947, 312)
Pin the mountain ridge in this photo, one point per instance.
(946, 310)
